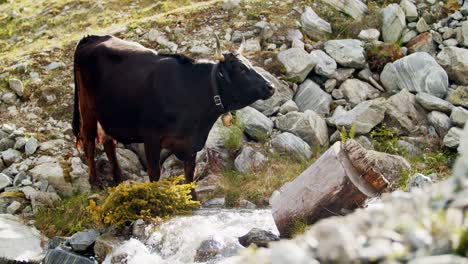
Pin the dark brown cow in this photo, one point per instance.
(162, 100)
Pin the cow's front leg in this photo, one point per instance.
(189, 170)
(153, 152)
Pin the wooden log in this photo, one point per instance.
(331, 186)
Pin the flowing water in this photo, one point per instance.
(177, 240)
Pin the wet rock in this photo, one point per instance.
(105, 244)
(249, 160)
(440, 121)
(459, 116)
(311, 97)
(258, 237)
(60, 255)
(404, 113)
(459, 96)
(393, 23)
(418, 72)
(452, 138)
(433, 103)
(365, 116)
(282, 93)
(313, 25)
(83, 240)
(419, 181)
(455, 61)
(324, 64)
(309, 126)
(356, 91)
(291, 145)
(354, 8)
(257, 125)
(10, 156)
(214, 203)
(17, 86)
(211, 248)
(297, 63)
(347, 52)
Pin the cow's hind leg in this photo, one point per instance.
(153, 153)
(189, 170)
(109, 148)
(89, 127)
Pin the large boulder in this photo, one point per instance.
(324, 64)
(282, 93)
(291, 145)
(52, 171)
(393, 23)
(418, 72)
(354, 8)
(257, 125)
(356, 91)
(403, 112)
(311, 97)
(313, 25)
(347, 52)
(309, 126)
(365, 116)
(455, 61)
(432, 103)
(297, 63)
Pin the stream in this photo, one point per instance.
(177, 240)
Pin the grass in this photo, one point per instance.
(378, 55)
(234, 135)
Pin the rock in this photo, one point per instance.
(330, 85)
(297, 63)
(289, 106)
(314, 26)
(393, 23)
(342, 74)
(354, 8)
(54, 65)
(258, 237)
(53, 173)
(10, 156)
(458, 97)
(441, 259)
(5, 181)
(52, 145)
(105, 244)
(128, 161)
(14, 207)
(210, 249)
(252, 45)
(257, 125)
(464, 34)
(369, 34)
(418, 72)
(291, 145)
(282, 93)
(249, 160)
(336, 242)
(455, 61)
(419, 181)
(83, 240)
(356, 91)
(410, 9)
(365, 116)
(422, 25)
(403, 112)
(17, 86)
(309, 126)
(452, 138)
(440, 121)
(247, 204)
(411, 149)
(408, 36)
(324, 64)
(9, 98)
(201, 49)
(346, 52)
(161, 39)
(459, 116)
(311, 97)
(24, 243)
(6, 143)
(422, 43)
(432, 103)
(230, 4)
(19, 144)
(214, 203)
(60, 255)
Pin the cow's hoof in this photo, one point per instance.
(194, 195)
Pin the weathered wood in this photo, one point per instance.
(331, 186)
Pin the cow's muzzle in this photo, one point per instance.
(270, 90)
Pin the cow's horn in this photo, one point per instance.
(218, 54)
(241, 47)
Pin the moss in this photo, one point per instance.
(233, 135)
(298, 227)
(378, 55)
(462, 248)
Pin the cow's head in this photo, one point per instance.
(240, 83)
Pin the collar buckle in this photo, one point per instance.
(217, 100)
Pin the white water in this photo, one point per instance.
(177, 240)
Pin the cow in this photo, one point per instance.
(127, 93)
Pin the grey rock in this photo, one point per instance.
(440, 121)
(422, 25)
(455, 61)
(369, 34)
(408, 36)
(459, 116)
(336, 242)
(419, 181)
(282, 93)
(214, 248)
(83, 240)
(105, 244)
(230, 4)
(5, 181)
(258, 237)
(410, 9)
(463, 34)
(249, 160)
(365, 116)
(329, 85)
(252, 45)
(452, 138)
(54, 65)
(288, 106)
(60, 255)
(354, 8)
(201, 49)
(297, 63)
(451, 42)
(411, 149)
(17, 86)
(19, 144)
(403, 112)
(128, 161)
(356, 91)
(432, 103)
(311, 97)
(246, 204)
(346, 52)
(393, 23)
(459, 96)
(257, 125)
(342, 74)
(21, 176)
(309, 126)
(418, 72)
(324, 64)
(14, 207)
(291, 145)
(30, 146)
(313, 25)
(441, 259)
(6, 143)
(9, 98)
(214, 203)
(11, 156)
(53, 173)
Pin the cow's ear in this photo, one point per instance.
(224, 74)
